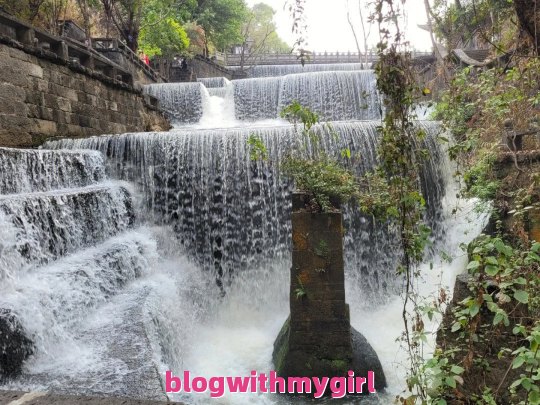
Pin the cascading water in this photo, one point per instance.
(282, 70)
(214, 82)
(332, 95)
(178, 169)
(182, 102)
(345, 95)
(43, 170)
(215, 215)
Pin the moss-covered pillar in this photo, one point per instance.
(317, 338)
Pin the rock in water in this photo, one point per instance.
(365, 359)
(15, 347)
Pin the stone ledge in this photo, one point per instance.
(49, 56)
(42, 398)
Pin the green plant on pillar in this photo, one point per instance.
(324, 177)
(322, 249)
(313, 172)
(300, 291)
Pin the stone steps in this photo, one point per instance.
(43, 226)
(31, 170)
(72, 316)
(45, 306)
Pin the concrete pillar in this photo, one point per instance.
(317, 338)
(61, 50)
(26, 35)
(320, 327)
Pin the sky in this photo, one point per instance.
(328, 29)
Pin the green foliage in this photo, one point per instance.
(477, 108)
(479, 180)
(394, 190)
(527, 358)
(463, 23)
(322, 249)
(503, 281)
(329, 182)
(260, 30)
(222, 21)
(164, 38)
(300, 291)
(257, 148)
(296, 113)
(154, 26)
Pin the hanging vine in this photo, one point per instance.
(396, 178)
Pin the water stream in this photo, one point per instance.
(123, 256)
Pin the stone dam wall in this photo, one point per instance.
(43, 97)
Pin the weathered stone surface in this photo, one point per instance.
(40, 100)
(534, 224)
(365, 359)
(43, 398)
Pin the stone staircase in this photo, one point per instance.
(70, 251)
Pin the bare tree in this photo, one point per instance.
(33, 8)
(126, 16)
(436, 50)
(528, 13)
(365, 34)
(85, 12)
(353, 32)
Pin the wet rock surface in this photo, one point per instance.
(40, 398)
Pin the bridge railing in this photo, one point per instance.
(60, 48)
(230, 59)
(107, 46)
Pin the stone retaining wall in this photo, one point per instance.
(42, 98)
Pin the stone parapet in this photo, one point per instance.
(41, 99)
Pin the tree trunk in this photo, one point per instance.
(365, 34)
(83, 7)
(436, 50)
(354, 33)
(528, 13)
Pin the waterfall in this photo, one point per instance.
(70, 245)
(52, 224)
(181, 102)
(50, 301)
(198, 181)
(341, 95)
(43, 170)
(333, 95)
(122, 256)
(213, 82)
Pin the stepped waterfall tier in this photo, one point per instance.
(124, 256)
(342, 95)
(176, 170)
(282, 70)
